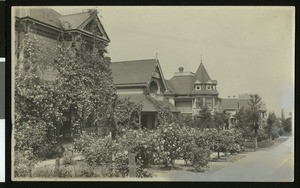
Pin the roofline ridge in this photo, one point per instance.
(55, 11)
(132, 60)
(73, 14)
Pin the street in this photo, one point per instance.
(266, 165)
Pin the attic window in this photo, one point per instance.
(198, 87)
(208, 87)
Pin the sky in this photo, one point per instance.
(246, 49)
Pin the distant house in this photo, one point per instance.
(233, 105)
(143, 82)
(190, 92)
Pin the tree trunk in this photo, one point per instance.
(270, 132)
(255, 140)
(30, 169)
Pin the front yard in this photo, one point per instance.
(158, 171)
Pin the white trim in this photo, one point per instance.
(2, 59)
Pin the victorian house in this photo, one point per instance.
(143, 82)
(52, 29)
(190, 92)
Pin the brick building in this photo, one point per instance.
(52, 29)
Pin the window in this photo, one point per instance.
(153, 88)
(208, 87)
(198, 87)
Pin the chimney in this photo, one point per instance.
(180, 69)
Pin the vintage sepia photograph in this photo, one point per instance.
(153, 93)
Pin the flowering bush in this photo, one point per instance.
(169, 144)
(45, 172)
(200, 158)
(85, 171)
(84, 141)
(101, 151)
(143, 143)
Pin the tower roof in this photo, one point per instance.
(201, 74)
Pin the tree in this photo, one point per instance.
(127, 114)
(271, 121)
(205, 120)
(287, 125)
(282, 115)
(84, 85)
(164, 114)
(255, 104)
(220, 121)
(35, 113)
(242, 123)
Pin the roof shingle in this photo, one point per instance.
(74, 20)
(132, 72)
(201, 74)
(147, 102)
(230, 103)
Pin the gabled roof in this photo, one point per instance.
(229, 104)
(142, 99)
(66, 22)
(44, 15)
(73, 21)
(165, 102)
(133, 72)
(180, 85)
(147, 102)
(201, 74)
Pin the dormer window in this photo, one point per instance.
(198, 87)
(208, 87)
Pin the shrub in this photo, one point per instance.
(84, 141)
(169, 144)
(51, 151)
(85, 172)
(200, 158)
(188, 135)
(21, 170)
(65, 171)
(22, 162)
(121, 168)
(44, 172)
(100, 151)
(143, 172)
(143, 144)
(261, 135)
